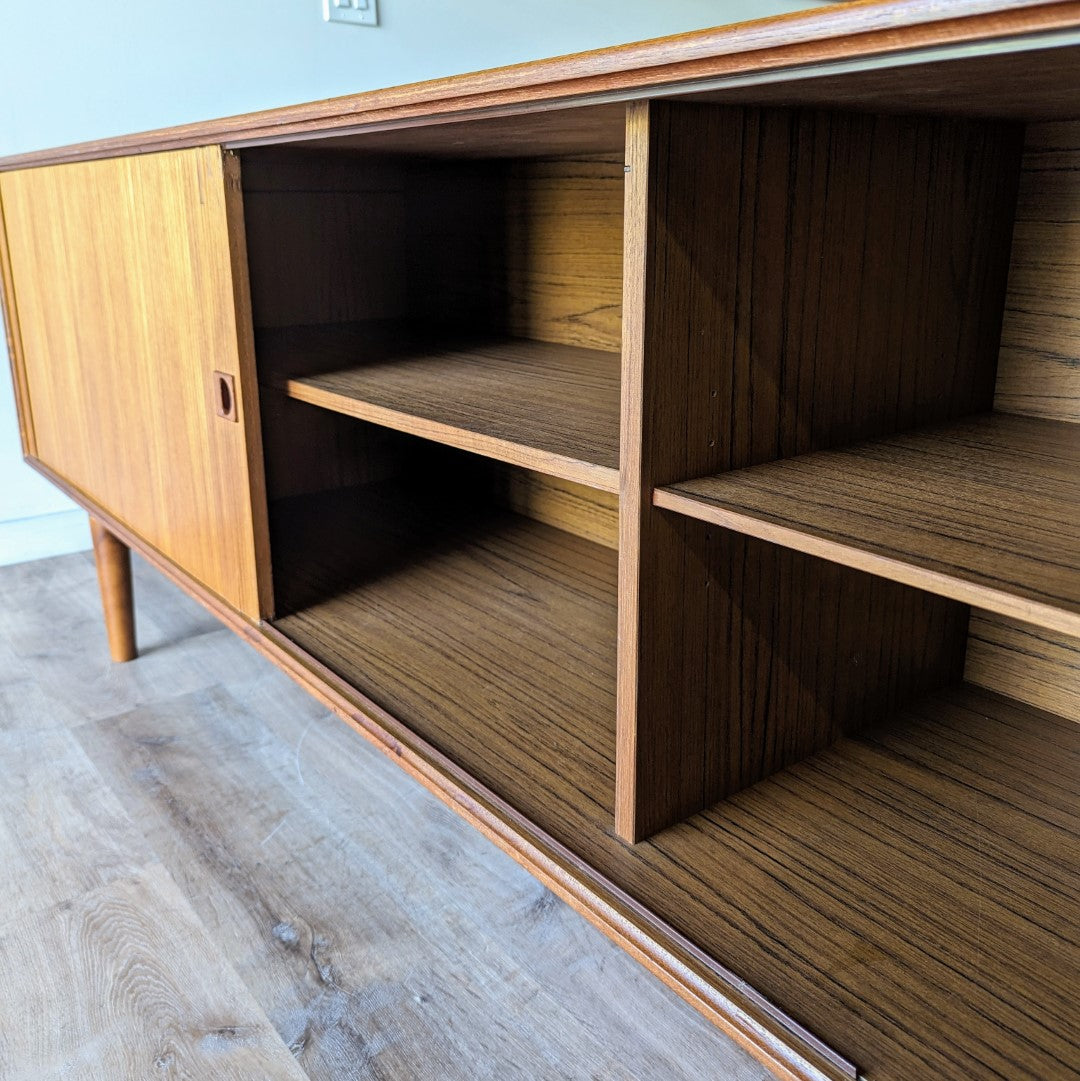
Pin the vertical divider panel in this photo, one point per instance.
(794, 280)
(633, 493)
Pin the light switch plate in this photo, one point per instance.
(357, 12)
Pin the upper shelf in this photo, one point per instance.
(984, 510)
(552, 408)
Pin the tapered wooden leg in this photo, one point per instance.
(113, 559)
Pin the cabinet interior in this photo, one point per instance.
(769, 568)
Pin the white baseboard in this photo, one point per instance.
(23, 539)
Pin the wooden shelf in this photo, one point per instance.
(489, 634)
(909, 895)
(985, 510)
(552, 408)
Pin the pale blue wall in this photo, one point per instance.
(76, 71)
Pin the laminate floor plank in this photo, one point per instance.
(62, 830)
(23, 704)
(123, 982)
(51, 620)
(450, 955)
(380, 935)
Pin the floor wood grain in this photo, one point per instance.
(213, 877)
(127, 984)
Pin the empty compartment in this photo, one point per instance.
(459, 282)
(474, 602)
(841, 278)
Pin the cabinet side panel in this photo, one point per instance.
(14, 344)
(1039, 375)
(123, 281)
(810, 280)
(248, 385)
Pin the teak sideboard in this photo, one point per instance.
(670, 455)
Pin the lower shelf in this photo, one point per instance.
(909, 895)
(490, 635)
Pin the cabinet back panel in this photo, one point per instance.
(308, 449)
(1039, 366)
(564, 252)
(1034, 665)
(530, 249)
(571, 507)
(323, 236)
(1038, 375)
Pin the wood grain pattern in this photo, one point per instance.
(124, 284)
(562, 133)
(338, 450)
(523, 248)
(491, 636)
(324, 235)
(866, 849)
(1038, 375)
(541, 242)
(1039, 365)
(835, 278)
(564, 239)
(156, 995)
(985, 510)
(908, 831)
(286, 841)
(64, 832)
(1031, 664)
(801, 43)
(799, 653)
(563, 504)
(113, 559)
(10, 318)
(909, 894)
(546, 407)
(452, 963)
(1032, 84)
(730, 1004)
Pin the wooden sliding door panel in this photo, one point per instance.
(134, 320)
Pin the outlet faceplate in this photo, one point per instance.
(357, 12)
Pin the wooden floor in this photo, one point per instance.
(204, 874)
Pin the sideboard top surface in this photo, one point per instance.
(889, 55)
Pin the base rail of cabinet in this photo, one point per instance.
(765, 1031)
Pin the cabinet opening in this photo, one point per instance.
(842, 280)
(451, 282)
(473, 601)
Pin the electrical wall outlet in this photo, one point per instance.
(357, 12)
